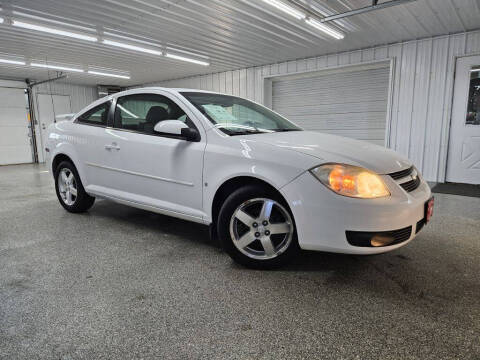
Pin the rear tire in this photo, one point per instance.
(257, 229)
(69, 188)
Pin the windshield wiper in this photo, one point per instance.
(246, 132)
(283, 130)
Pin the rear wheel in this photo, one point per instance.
(257, 229)
(69, 188)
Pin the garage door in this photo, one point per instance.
(14, 132)
(349, 103)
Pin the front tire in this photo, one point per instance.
(257, 229)
(69, 188)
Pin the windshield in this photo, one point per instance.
(237, 116)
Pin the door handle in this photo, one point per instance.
(112, 147)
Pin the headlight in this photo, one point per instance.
(351, 181)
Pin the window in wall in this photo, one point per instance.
(141, 112)
(473, 109)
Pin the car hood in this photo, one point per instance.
(332, 148)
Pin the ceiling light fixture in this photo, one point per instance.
(56, 67)
(183, 58)
(475, 69)
(108, 74)
(287, 9)
(132, 47)
(54, 31)
(1, 20)
(187, 53)
(14, 62)
(326, 29)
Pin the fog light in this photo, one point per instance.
(379, 240)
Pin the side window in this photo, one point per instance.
(96, 116)
(141, 112)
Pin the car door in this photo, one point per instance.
(90, 138)
(155, 170)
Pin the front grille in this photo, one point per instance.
(402, 235)
(363, 238)
(401, 174)
(411, 185)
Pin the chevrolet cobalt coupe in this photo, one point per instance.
(265, 186)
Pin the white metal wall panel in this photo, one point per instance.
(80, 95)
(351, 104)
(14, 140)
(422, 90)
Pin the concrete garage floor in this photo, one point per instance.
(118, 282)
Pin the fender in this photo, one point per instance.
(59, 143)
(233, 159)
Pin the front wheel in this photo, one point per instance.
(257, 229)
(69, 188)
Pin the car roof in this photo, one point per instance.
(140, 90)
(156, 88)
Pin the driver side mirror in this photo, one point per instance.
(178, 128)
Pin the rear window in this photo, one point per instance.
(96, 116)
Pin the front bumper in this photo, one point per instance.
(322, 217)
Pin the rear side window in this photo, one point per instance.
(140, 112)
(96, 116)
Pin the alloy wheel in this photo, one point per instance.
(67, 186)
(261, 228)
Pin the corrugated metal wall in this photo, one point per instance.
(80, 95)
(421, 99)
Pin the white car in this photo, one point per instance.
(265, 186)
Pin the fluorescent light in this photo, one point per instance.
(1, 20)
(185, 52)
(475, 70)
(182, 58)
(132, 47)
(108, 74)
(14, 62)
(56, 67)
(53, 30)
(285, 8)
(153, 52)
(326, 29)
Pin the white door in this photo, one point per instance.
(464, 150)
(164, 172)
(15, 145)
(49, 106)
(351, 102)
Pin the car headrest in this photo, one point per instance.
(156, 114)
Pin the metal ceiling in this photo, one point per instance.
(231, 33)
